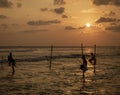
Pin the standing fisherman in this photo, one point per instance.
(11, 62)
(10, 58)
(83, 67)
(92, 60)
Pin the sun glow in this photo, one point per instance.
(88, 25)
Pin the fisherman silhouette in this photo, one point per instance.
(92, 59)
(11, 62)
(84, 65)
(10, 58)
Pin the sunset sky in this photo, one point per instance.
(59, 22)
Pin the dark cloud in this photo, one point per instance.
(106, 19)
(59, 2)
(69, 28)
(115, 2)
(73, 28)
(81, 27)
(101, 2)
(59, 10)
(64, 16)
(114, 28)
(4, 25)
(5, 3)
(41, 22)
(19, 5)
(14, 24)
(44, 9)
(3, 17)
(106, 2)
(113, 23)
(111, 14)
(19, 0)
(33, 31)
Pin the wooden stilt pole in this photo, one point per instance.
(83, 63)
(94, 58)
(83, 76)
(82, 49)
(13, 70)
(51, 57)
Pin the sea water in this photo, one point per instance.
(33, 76)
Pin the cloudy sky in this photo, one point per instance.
(59, 22)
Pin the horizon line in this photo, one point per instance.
(57, 46)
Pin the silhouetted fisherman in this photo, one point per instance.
(10, 58)
(11, 62)
(92, 59)
(83, 67)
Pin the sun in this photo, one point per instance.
(87, 24)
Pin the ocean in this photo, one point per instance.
(34, 77)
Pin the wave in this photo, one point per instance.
(47, 58)
(43, 58)
(10, 50)
(22, 54)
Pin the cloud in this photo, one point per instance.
(59, 10)
(44, 9)
(91, 10)
(100, 2)
(3, 17)
(69, 28)
(41, 22)
(14, 24)
(4, 25)
(73, 28)
(64, 16)
(106, 2)
(59, 2)
(111, 13)
(31, 31)
(114, 28)
(19, 5)
(19, 0)
(82, 27)
(5, 3)
(106, 19)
